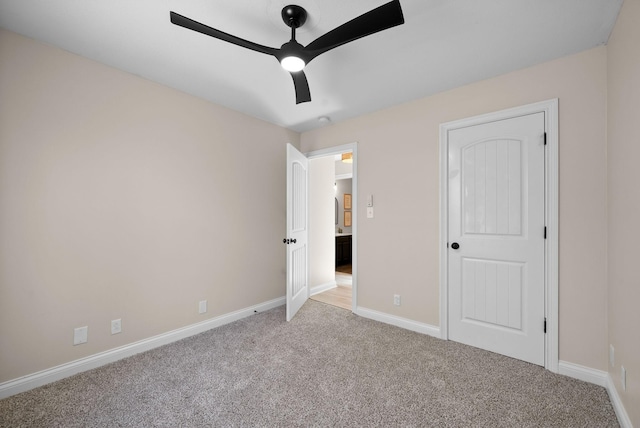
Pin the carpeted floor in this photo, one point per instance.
(327, 367)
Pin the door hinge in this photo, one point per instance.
(545, 325)
(545, 138)
(545, 232)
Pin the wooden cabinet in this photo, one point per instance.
(343, 250)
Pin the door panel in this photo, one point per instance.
(297, 231)
(492, 292)
(496, 216)
(492, 199)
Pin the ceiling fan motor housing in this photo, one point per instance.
(294, 16)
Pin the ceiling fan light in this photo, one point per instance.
(347, 157)
(292, 63)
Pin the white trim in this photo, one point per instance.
(550, 110)
(623, 417)
(62, 371)
(344, 176)
(331, 151)
(405, 323)
(322, 288)
(587, 374)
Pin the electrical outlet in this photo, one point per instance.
(116, 326)
(396, 299)
(202, 307)
(80, 335)
(612, 356)
(623, 378)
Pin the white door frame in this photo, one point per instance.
(332, 151)
(550, 110)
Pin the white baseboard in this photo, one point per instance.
(601, 378)
(405, 323)
(587, 374)
(623, 417)
(62, 371)
(322, 288)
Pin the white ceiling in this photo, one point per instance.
(443, 44)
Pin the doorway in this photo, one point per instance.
(340, 236)
(498, 236)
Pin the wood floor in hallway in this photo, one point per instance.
(341, 295)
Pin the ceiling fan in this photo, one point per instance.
(292, 55)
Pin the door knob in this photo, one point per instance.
(455, 245)
(293, 241)
(288, 241)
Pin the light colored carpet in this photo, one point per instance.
(327, 367)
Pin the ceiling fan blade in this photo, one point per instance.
(302, 87)
(381, 18)
(190, 24)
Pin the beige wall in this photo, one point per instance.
(398, 249)
(121, 198)
(343, 168)
(322, 259)
(624, 203)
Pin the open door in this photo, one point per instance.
(297, 231)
